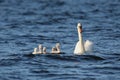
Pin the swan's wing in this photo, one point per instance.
(88, 46)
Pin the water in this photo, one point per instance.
(26, 23)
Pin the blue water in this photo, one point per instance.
(24, 24)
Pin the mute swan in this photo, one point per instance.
(35, 51)
(40, 49)
(44, 50)
(56, 49)
(80, 47)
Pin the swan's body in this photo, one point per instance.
(80, 47)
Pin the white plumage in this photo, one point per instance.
(88, 46)
(82, 47)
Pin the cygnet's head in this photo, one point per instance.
(57, 44)
(40, 46)
(79, 26)
(35, 49)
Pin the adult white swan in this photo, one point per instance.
(81, 47)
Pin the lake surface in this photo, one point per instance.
(24, 24)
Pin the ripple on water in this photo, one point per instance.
(26, 23)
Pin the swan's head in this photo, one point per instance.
(79, 26)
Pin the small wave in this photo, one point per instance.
(28, 13)
(75, 58)
(39, 71)
(29, 55)
(62, 57)
(9, 61)
(93, 57)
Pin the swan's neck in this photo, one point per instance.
(58, 49)
(81, 40)
(35, 49)
(80, 34)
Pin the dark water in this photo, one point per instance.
(26, 23)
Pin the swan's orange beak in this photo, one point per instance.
(80, 30)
